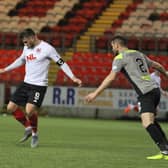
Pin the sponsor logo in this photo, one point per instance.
(38, 50)
(30, 57)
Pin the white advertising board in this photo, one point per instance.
(109, 99)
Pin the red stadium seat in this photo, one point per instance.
(35, 8)
(133, 43)
(163, 44)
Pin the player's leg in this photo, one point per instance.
(156, 135)
(136, 108)
(32, 114)
(19, 98)
(18, 114)
(165, 139)
(131, 107)
(148, 104)
(161, 130)
(36, 96)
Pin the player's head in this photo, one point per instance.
(117, 43)
(28, 37)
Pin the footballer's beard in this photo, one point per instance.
(30, 46)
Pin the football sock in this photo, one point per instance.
(20, 116)
(34, 122)
(157, 136)
(136, 108)
(161, 130)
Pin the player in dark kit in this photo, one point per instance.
(36, 56)
(135, 66)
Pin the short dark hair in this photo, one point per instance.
(27, 33)
(119, 39)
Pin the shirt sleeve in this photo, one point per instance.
(118, 63)
(17, 63)
(53, 54)
(57, 58)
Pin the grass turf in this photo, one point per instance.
(78, 143)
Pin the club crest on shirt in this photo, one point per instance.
(30, 57)
(38, 50)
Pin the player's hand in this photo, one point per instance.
(77, 80)
(2, 71)
(90, 97)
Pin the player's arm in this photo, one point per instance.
(158, 66)
(65, 67)
(116, 67)
(106, 82)
(18, 62)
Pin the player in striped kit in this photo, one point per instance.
(36, 56)
(135, 66)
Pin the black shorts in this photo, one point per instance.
(27, 93)
(149, 101)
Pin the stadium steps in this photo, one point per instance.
(104, 22)
(83, 45)
(99, 26)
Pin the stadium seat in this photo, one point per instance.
(163, 44)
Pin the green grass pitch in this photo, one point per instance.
(78, 143)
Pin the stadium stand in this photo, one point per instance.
(141, 20)
(93, 67)
(81, 31)
(15, 76)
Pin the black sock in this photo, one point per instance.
(157, 136)
(161, 131)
